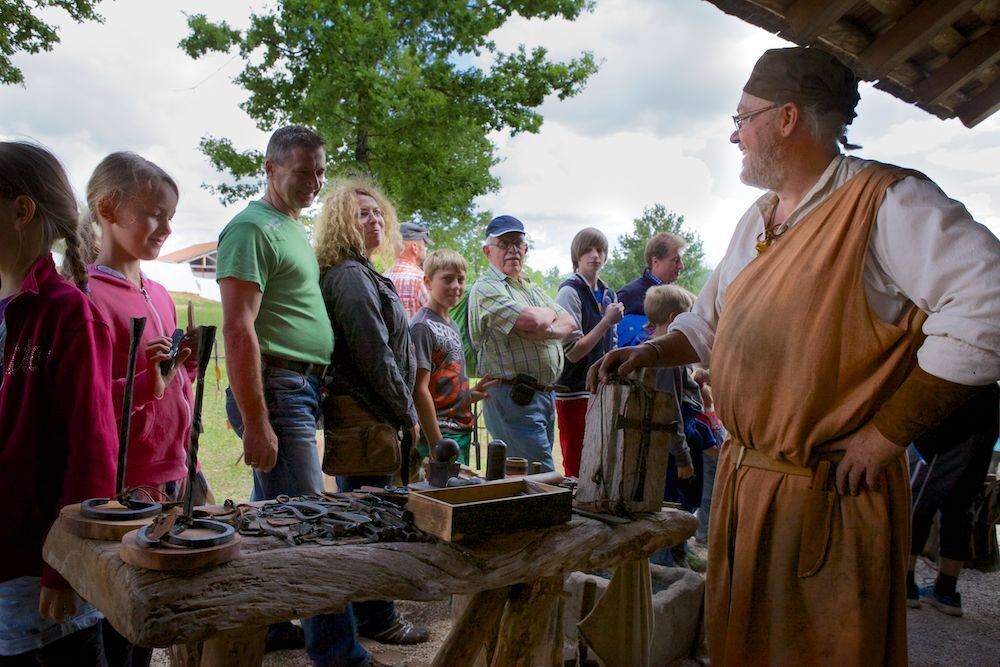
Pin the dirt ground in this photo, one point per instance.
(936, 640)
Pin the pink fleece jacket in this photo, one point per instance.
(58, 441)
(161, 429)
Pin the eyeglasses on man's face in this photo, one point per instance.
(739, 119)
(519, 244)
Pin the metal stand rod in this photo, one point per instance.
(138, 325)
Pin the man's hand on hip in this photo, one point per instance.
(867, 453)
(260, 447)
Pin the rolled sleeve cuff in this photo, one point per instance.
(699, 333)
(956, 361)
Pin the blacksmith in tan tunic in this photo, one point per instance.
(855, 307)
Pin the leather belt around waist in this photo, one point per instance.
(301, 367)
(753, 458)
(536, 386)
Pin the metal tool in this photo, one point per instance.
(610, 519)
(168, 364)
(443, 465)
(331, 519)
(496, 459)
(406, 444)
(97, 508)
(221, 533)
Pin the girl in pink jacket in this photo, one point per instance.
(58, 441)
(134, 200)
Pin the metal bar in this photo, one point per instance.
(206, 341)
(137, 326)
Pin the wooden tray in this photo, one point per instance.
(489, 509)
(98, 529)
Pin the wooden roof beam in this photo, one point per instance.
(808, 18)
(962, 67)
(910, 34)
(980, 107)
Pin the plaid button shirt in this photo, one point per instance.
(409, 282)
(495, 301)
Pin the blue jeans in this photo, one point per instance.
(372, 615)
(293, 405)
(528, 430)
(22, 630)
(708, 485)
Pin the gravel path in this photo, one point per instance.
(937, 639)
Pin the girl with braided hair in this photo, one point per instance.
(58, 440)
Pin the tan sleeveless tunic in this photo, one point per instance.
(800, 575)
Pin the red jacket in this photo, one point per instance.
(58, 442)
(160, 429)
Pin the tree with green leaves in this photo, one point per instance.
(21, 29)
(397, 89)
(628, 259)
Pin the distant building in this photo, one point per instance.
(201, 257)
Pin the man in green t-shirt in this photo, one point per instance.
(278, 342)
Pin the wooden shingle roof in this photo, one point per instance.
(942, 55)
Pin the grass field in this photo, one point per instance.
(219, 448)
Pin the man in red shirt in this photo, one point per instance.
(407, 274)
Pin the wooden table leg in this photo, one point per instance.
(527, 628)
(244, 648)
(474, 629)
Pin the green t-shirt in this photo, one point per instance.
(261, 245)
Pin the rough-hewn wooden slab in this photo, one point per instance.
(270, 582)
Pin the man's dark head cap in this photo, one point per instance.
(807, 77)
(504, 224)
(411, 231)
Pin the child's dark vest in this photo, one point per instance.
(574, 375)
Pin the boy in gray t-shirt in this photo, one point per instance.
(442, 395)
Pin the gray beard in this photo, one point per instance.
(765, 169)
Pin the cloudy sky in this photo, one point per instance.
(652, 126)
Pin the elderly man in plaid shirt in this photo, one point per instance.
(407, 274)
(516, 329)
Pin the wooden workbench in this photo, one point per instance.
(219, 614)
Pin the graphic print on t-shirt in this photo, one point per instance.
(438, 346)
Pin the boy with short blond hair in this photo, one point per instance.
(662, 304)
(684, 482)
(442, 395)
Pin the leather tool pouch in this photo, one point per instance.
(817, 521)
(355, 441)
(523, 389)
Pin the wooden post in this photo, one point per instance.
(235, 649)
(229, 649)
(521, 635)
(474, 629)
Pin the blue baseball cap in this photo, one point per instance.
(504, 224)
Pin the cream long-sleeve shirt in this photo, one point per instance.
(925, 249)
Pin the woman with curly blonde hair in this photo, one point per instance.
(338, 231)
(373, 367)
